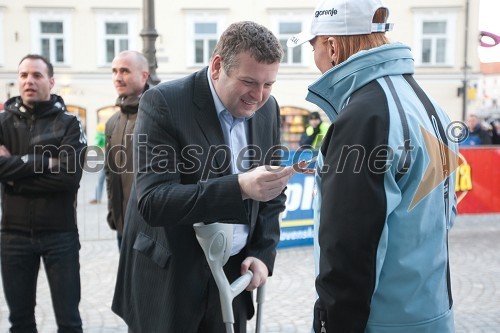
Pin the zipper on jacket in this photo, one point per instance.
(30, 144)
(322, 319)
(124, 142)
(440, 134)
(448, 278)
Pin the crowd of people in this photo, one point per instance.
(481, 131)
(205, 148)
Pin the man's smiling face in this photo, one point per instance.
(247, 87)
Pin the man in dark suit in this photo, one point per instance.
(195, 141)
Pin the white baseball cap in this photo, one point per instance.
(341, 18)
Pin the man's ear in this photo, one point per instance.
(215, 67)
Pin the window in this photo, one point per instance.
(434, 42)
(291, 56)
(2, 46)
(203, 31)
(81, 113)
(115, 38)
(435, 38)
(205, 39)
(51, 35)
(52, 40)
(105, 113)
(117, 31)
(286, 24)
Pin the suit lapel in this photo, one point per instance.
(208, 121)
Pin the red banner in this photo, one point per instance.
(478, 180)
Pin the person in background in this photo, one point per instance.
(100, 139)
(495, 132)
(130, 72)
(488, 39)
(383, 255)
(314, 133)
(42, 149)
(477, 134)
(211, 154)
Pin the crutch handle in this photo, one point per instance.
(228, 292)
(241, 283)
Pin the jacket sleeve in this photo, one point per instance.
(16, 167)
(109, 128)
(485, 137)
(353, 214)
(66, 175)
(162, 199)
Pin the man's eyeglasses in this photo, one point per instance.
(488, 39)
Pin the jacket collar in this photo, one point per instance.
(40, 109)
(130, 104)
(332, 90)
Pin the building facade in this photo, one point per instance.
(82, 37)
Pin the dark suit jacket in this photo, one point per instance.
(183, 177)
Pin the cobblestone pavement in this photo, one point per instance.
(475, 265)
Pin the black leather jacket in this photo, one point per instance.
(35, 198)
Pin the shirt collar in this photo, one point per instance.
(219, 107)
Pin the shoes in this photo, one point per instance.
(94, 202)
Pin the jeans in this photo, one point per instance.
(20, 255)
(100, 185)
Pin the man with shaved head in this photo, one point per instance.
(130, 74)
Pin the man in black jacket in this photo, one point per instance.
(41, 160)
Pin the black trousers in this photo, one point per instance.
(212, 321)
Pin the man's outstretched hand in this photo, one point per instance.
(264, 183)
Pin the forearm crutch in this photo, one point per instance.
(216, 240)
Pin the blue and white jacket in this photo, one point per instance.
(381, 245)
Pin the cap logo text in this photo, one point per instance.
(330, 12)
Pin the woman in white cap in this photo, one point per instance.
(385, 196)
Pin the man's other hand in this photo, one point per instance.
(4, 152)
(259, 270)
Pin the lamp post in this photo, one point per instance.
(8, 85)
(149, 36)
(466, 66)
